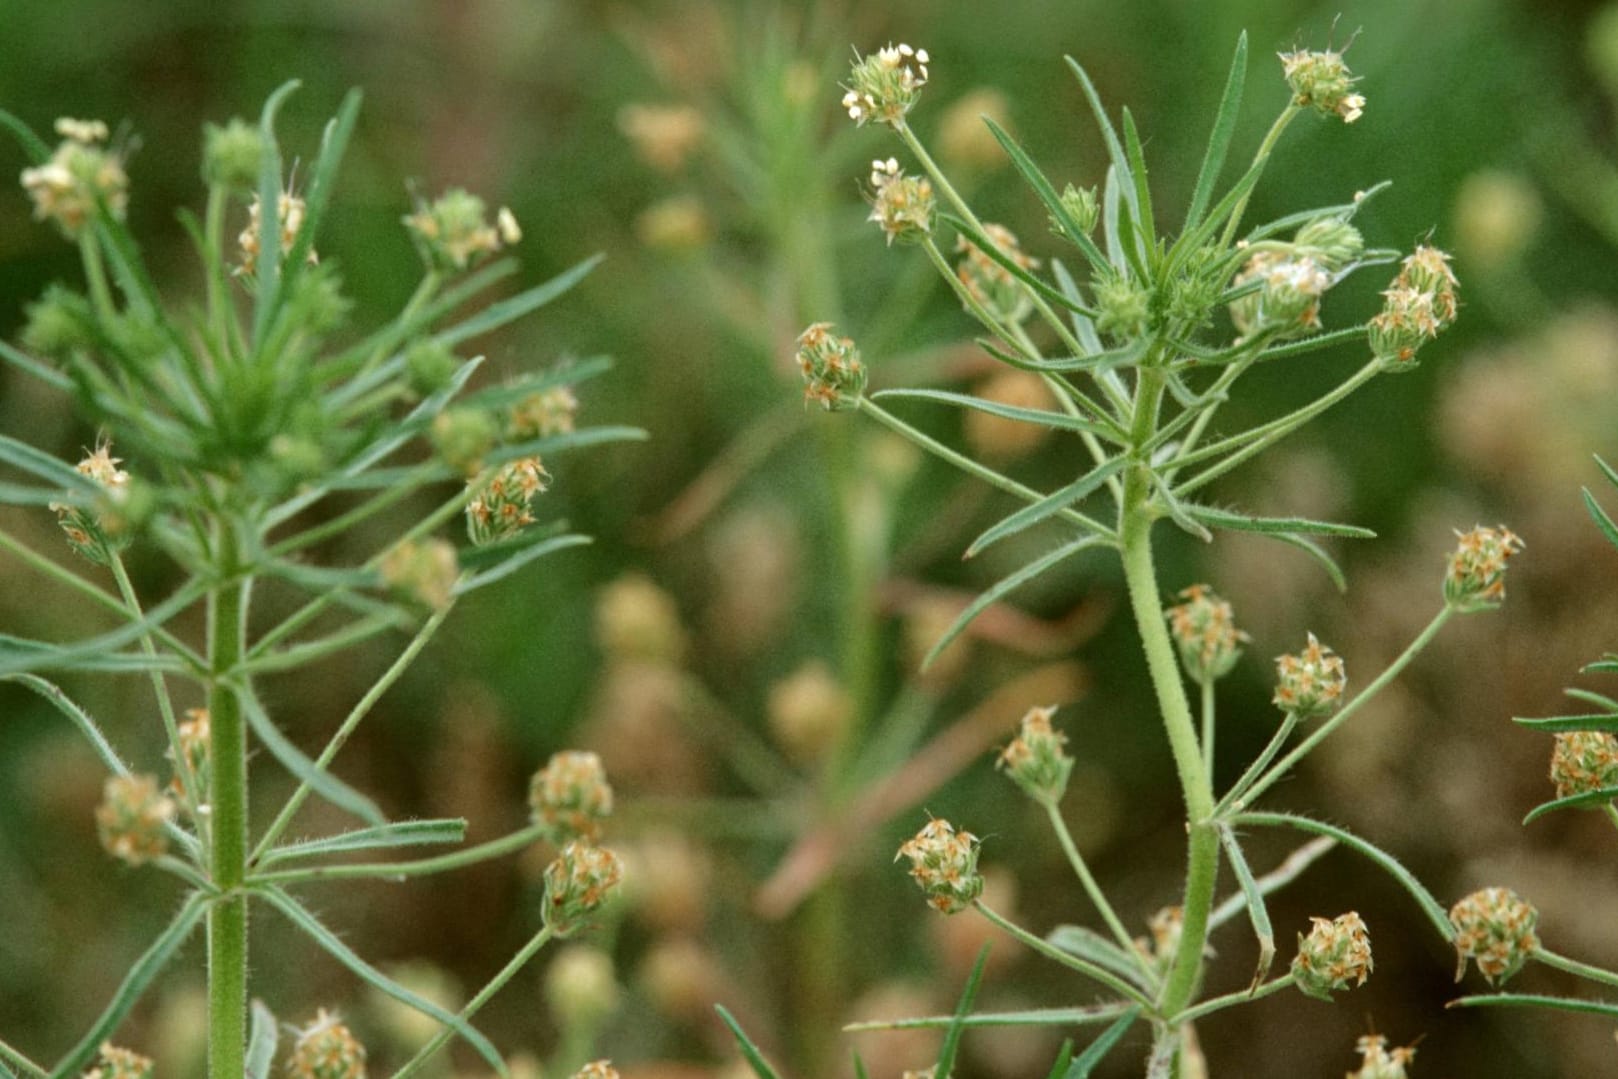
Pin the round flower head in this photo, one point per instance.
(463, 436)
(231, 155)
(1204, 628)
(1337, 951)
(902, 205)
(1494, 926)
(326, 1049)
(1330, 241)
(1320, 80)
(424, 571)
(576, 883)
(131, 818)
(1476, 577)
(1584, 761)
(81, 179)
(1417, 305)
(1287, 301)
(501, 509)
(1378, 1061)
(988, 282)
(1035, 759)
(543, 414)
(453, 231)
(1310, 683)
(885, 85)
(89, 530)
(832, 372)
(115, 1063)
(1082, 206)
(289, 211)
(570, 796)
(944, 863)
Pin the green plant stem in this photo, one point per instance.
(1388, 674)
(1091, 888)
(165, 704)
(95, 273)
(966, 464)
(21, 1062)
(1261, 762)
(509, 971)
(419, 867)
(1209, 721)
(1573, 966)
(1072, 962)
(351, 721)
(1612, 813)
(1271, 137)
(1240, 996)
(227, 917)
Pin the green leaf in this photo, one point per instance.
(141, 975)
(1599, 700)
(1318, 553)
(1049, 506)
(859, 1067)
(1047, 194)
(1093, 1054)
(78, 716)
(1064, 1057)
(24, 362)
(508, 310)
(1587, 800)
(300, 917)
(408, 833)
(36, 462)
(566, 441)
(1596, 721)
(261, 1042)
(1087, 944)
(1257, 912)
(1599, 515)
(1083, 328)
(1389, 864)
(511, 565)
(1144, 223)
(1180, 514)
(1004, 586)
(1224, 127)
(32, 145)
(1060, 421)
(291, 758)
(1237, 522)
(19, 655)
(1606, 665)
(1344, 211)
(750, 1052)
(12, 1058)
(952, 1036)
(1312, 343)
(1531, 1000)
(1115, 151)
(1025, 1017)
(333, 144)
(1009, 264)
(266, 291)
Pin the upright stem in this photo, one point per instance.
(227, 917)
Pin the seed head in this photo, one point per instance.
(1322, 81)
(597, 1069)
(902, 205)
(1494, 926)
(90, 531)
(326, 1049)
(453, 231)
(289, 211)
(988, 282)
(501, 509)
(576, 883)
(1584, 761)
(832, 372)
(1378, 1061)
(1287, 302)
(1204, 628)
(1310, 683)
(885, 85)
(1416, 306)
(83, 178)
(424, 571)
(570, 796)
(131, 817)
(543, 414)
(231, 155)
(944, 863)
(1476, 577)
(1035, 759)
(1335, 953)
(116, 1063)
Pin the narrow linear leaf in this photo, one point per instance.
(1532, 1000)
(410, 833)
(952, 1036)
(267, 288)
(1237, 522)
(1599, 515)
(5, 1071)
(1093, 1054)
(750, 1052)
(859, 1067)
(292, 758)
(1003, 587)
(1120, 237)
(1560, 724)
(1115, 150)
(1009, 264)
(1318, 553)
(16, 494)
(1429, 906)
(1025, 1017)
(1587, 800)
(1064, 1057)
(51, 656)
(24, 362)
(1180, 514)
(1344, 211)
(333, 144)
(1599, 700)
(1607, 665)
(567, 441)
(517, 561)
(1047, 194)
(1312, 343)
(1087, 944)
(1224, 127)
(141, 975)
(1060, 421)
(1277, 878)
(32, 145)
(19, 655)
(508, 310)
(1226, 206)
(1607, 470)
(26, 458)
(1049, 506)
(79, 717)
(299, 916)
(1257, 912)
(13, 1058)
(1144, 224)
(261, 1042)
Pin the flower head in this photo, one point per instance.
(1035, 759)
(82, 178)
(1584, 761)
(944, 863)
(116, 1063)
(1204, 628)
(543, 414)
(1320, 80)
(131, 818)
(502, 509)
(231, 155)
(424, 571)
(289, 213)
(453, 231)
(1494, 926)
(326, 1049)
(885, 85)
(1377, 1061)
(191, 763)
(1476, 577)
(832, 372)
(570, 796)
(597, 1069)
(1310, 683)
(987, 281)
(91, 532)
(576, 883)
(902, 205)
(1417, 305)
(1337, 951)
(1287, 300)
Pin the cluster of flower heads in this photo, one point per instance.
(116, 1063)
(1286, 302)
(569, 799)
(944, 864)
(1495, 927)
(902, 205)
(833, 375)
(95, 533)
(453, 231)
(1320, 80)
(133, 818)
(989, 283)
(1204, 630)
(82, 178)
(326, 1049)
(1336, 952)
(884, 86)
(1377, 1061)
(1310, 683)
(503, 506)
(1416, 307)
(1583, 762)
(1035, 759)
(1476, 577)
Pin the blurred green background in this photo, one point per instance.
(765, 578)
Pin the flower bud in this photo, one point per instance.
(988, 282)
(576, 883)
(1416, 306)
(944, 863)
(453, 232)
(1494, 926)
(597, 1069)
(1335, 953)
(581, 987)
(1082, 206)
(1476, 577)
(232, 155)
(462, 436)
(115, 1063)
(902, 205)
(885, 85)
(94, 532)
(326, 1049)
(1035, 759)
(1378, 1062)
(289, 211)
(1584, 761)
(131, 818)
(1329, 241)
(543, 414)
(1310, 683)
(60, 323)
(1204, 628)
(1287, 301)
(81, 179)
(832, 371)
(570, 797)
(429, 365)
(502, 509)
(1123, 307)
(424, 572)
(1322, 81)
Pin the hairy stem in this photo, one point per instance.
(227, 917)
(1073, 962)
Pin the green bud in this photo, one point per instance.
(832, 371)
(1082, 206)
(429, 366)
(462, 436)
(1035, 759)
(1330, 241)
(577, 883)
(1123, 308)
(232, 155)
(60, 323)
